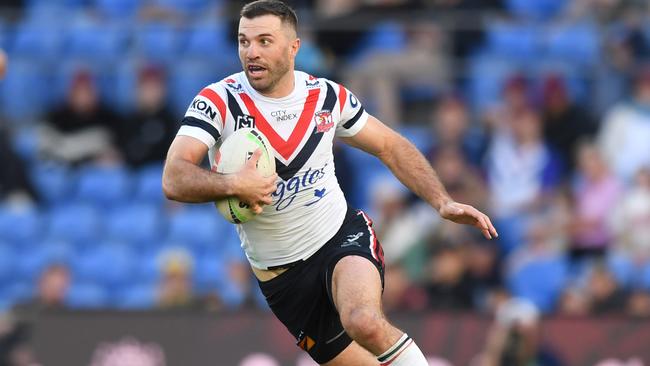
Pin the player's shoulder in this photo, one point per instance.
(231, 83)
(315, 82)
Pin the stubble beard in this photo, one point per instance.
(266, 85)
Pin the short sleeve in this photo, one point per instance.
(205, 117)
(353, 115)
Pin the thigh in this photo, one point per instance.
(356, 283)
(356, 266)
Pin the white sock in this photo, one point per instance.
(403, 353)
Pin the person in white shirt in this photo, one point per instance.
(625, 132)
(318, 262)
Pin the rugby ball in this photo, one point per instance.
(231, 157)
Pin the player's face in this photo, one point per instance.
(267, 49)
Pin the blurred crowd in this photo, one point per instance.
(537, 112)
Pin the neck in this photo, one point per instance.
(283, 88)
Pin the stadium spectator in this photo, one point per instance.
(82, 129)
(565, 122)
(521, 171)
(240, 276)
(537, 245)
(574, 302)
(484, 270)
(598, 293)
(604, 293)
(631, 219)
(451, 126)
(638, 304)
(463, 181)
(175, 288)
(516, 99)
(145, 134)
(595, 196)
(604, 12)
(400, 223)
(344, 40)
(401, 293)
(53, 286)
(381, 75)
(464, 39)
(515, 339)
(311, 57)
(623, 40)
(625, 132)
(448, 284)
(51, 295)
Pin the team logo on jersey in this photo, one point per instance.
(234, 85)
(244, 121)
(201, 107)
(312, 82)
(324, 121)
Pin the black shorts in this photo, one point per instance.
(301, 297)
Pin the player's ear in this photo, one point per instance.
(295, 46)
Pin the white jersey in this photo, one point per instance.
(308, 206)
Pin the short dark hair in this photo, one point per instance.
(271, 7)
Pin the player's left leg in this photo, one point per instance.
(356, 293)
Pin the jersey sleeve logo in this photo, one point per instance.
(201, 107)
(312, 82)
(323, 121)
(234, 85)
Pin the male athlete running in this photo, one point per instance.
(318, 261)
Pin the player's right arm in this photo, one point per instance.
(184, 180)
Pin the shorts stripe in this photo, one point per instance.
(373, 238)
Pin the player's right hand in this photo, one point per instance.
(251, 187)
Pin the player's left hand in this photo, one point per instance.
(468, 215)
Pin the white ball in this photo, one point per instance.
(233, 154)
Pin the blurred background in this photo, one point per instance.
(536, 111)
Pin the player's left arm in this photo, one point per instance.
(414, 171)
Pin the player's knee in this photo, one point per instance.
(363, 324)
